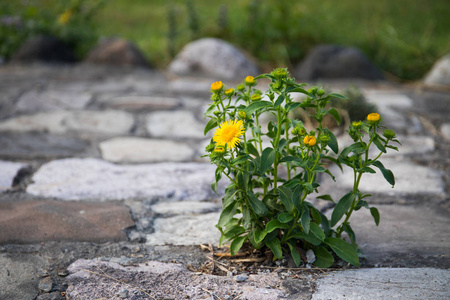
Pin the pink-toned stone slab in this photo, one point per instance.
(49, 220)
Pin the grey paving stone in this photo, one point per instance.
(27, 145)
(101, 122)
(440, 72)
(384, 283)
(36, 221)
(185, 230)
(8, 170)
(19, 275)
(407, 236)
(410, 144)
(176, 124)
(134, 150)
(390, 104)
(141, 103)
(165, 281)
(185, 207)
(410, 178)
(445, 129)
(185, 86)
(74, 179)
(34, 101)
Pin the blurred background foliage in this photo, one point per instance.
(402, 37)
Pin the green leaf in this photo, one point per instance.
(324, 259)
(280, 100)
(347, 228)
(285, 217)
(333, 144)
(367, 170)
(325, 224)
(379, 145)
(296, 197)
(286, 197)
(342, 207)
(275, 246)
(301, 90)
(310, 238)
(259, 235)
(332, 111)
(267, 159)
(257, 205)
(275, 224)
(357, 148)
(236, 244)
(234, 231)
(240, 159)
(388, 175)
(210, 109)
(375, 214)
(344, 250)
(325, 197)
(335, 95)
(256, 106)
(252, 150)
(306, 219)
(226, 215)
(317, 231)
(295, 255)
(210, 125)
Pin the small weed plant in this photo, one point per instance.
(262, 206)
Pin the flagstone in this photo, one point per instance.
(35, 221)
(174, 124)
(141, 150)
(101, 122)
(89, 178)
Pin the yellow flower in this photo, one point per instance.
(373, 118)
(250, 80)
(309, 140)
(229, 92)
(216, 86)
(65, 17)
(228, 133)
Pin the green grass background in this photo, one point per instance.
(402, 37)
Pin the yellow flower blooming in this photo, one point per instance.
(373, 117)
(250, 80)
(216, 86)
(309, 140)
(228, 133)
(229, 92)
(65, 17)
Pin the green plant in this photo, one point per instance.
(71, 21)
(266, 209)
(355, 104)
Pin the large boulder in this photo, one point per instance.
(43, 49)
(212, 57)
(335, 62)
(440, 73)
(117, 52)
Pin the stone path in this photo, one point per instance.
(101, 179)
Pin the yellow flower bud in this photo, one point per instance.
(255, 97)
(219, 150)
(309, 140)
(250, 80)
(373, 118)
(216, 86)
(229, 92)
